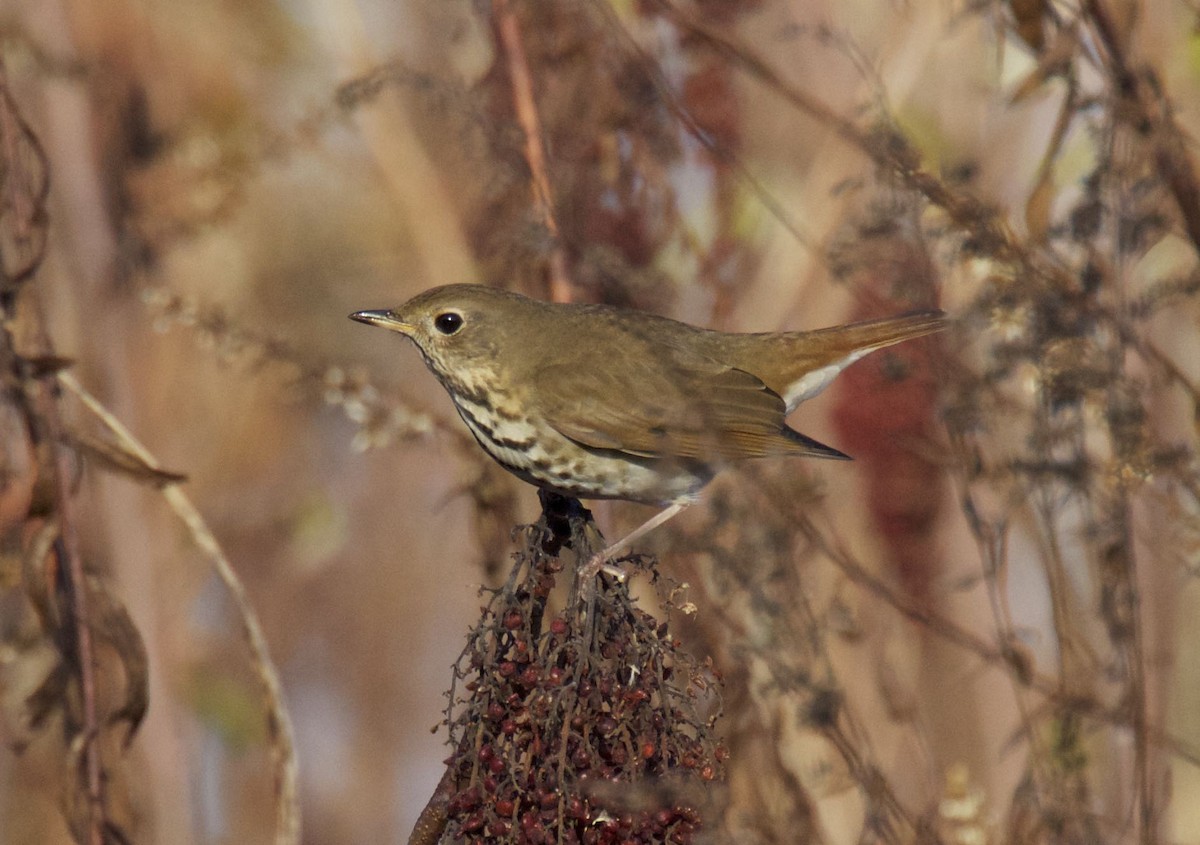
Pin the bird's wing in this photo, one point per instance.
(666, 403)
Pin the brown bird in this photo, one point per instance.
(607, 403)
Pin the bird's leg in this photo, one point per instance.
(600, 561)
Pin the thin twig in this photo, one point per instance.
(508, 30)
(1170, 152)
(990, 235)
(1081, 704)
(707, 140)
(279, 723)
(71, 568)
(24, 187)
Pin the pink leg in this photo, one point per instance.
(600, 560)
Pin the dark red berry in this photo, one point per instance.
(498, 828)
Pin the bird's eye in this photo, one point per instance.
(448, 323)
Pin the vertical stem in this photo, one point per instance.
(71, 569)
(69, 544)
(509, 32)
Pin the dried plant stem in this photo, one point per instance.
(1173, 371)
(1076, 667)
(24, 183)
(1084, 705)
(69, 544)
(993, 549)
(431, 823)
(508, 30)
(707, 140)
(287, 809)
(72, 571)
(1170, 150)
(1123, 561)
(889, 149)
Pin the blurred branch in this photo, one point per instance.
(707, 140)
(985, 227)
(1051, 688)
(279, 723)
(380, 420)
(1143, 91)
(75, 584)
(24, 186)
(406, 166)
(508, 32)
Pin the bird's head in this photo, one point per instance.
(456, 327)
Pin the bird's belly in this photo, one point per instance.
(544, 457)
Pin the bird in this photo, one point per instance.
(601, 402)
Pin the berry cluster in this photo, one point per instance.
(585, 729)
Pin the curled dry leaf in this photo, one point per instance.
(25, 184)
(110, 623)
(41, 366)
(113, 626)
(115, 458)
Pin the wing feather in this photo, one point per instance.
(671, 404)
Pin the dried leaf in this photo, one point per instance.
(1030, 18)
(48, 698)
(40, 366)
(26, 183)
(109, 623)
(1039, 206)
(18, 468)
(1055, 61)
(34, 582)
(114, 458)
(33, 685)
(112, 624)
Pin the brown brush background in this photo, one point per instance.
(982, 631)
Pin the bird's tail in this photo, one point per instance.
(811, 360)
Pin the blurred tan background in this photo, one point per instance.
(218, 185)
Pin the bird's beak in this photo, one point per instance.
(385, 319)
